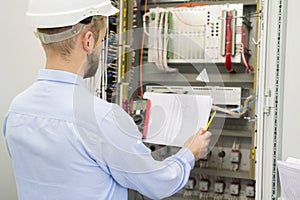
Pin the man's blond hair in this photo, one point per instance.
(65, 48)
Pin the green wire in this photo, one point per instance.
(153, 15)
(170, 27)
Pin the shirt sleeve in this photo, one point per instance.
(4, 125)
(163, 182)
(4, 131)
(130, 162)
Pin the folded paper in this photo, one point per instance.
(173, 118)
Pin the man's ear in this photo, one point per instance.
(88, 42)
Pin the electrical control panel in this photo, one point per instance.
(196, 34)
(226, 96)
(202, 48)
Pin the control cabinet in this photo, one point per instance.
(204, 47)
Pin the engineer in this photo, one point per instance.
(67, 144)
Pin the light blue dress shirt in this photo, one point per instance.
(67, 144)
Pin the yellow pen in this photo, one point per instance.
(209, 122)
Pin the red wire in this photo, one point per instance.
(176, 14)
(190, 5)
(249, 68)
(228, 44)
(181, 6)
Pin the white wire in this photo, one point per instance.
(159, 48)
(241, 49)
(144, 23)
(232, 113)
(165, 44)
(156, 36)
(165, 48)
(103, 84)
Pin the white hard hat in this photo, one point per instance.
(61, 13)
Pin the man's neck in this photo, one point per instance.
(72, 65)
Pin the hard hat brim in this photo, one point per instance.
(109, 10)
(69, 18)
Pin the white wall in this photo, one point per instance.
(291, 109)
(20, 58)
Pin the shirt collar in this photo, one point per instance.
(60, 76)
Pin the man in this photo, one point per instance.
(67, 144)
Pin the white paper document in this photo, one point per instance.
(289, 173)
(173, 118)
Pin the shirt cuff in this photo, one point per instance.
(187, 156)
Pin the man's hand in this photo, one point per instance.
(198, 144)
